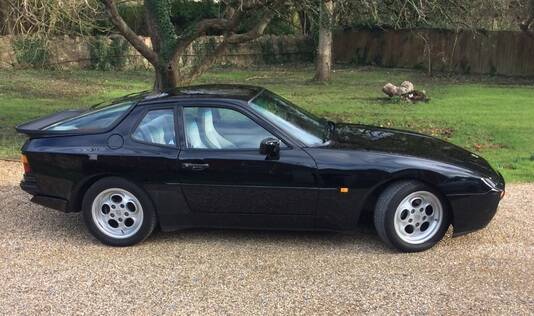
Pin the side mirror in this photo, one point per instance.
(270, 147)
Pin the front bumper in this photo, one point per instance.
(472, 212)
(29, 184)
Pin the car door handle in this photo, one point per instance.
(195, 166)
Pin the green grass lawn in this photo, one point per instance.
(493, 117)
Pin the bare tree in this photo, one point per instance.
(168, 46)
(45, 18)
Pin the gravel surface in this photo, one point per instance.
(49, 264)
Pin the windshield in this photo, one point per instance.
(93, 120)
(297, 122)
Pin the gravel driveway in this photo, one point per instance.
(49, 264)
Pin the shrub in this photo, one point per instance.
(118, 53)
(98, 52)
(108, 54)
(31, 52)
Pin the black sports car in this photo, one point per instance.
(244, 157)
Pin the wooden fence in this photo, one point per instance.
(500, 53)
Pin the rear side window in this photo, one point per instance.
(93, 120)
(157, 127)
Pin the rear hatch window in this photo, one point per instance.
(93, 120)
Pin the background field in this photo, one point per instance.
(493, 117)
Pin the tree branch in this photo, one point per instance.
(254, 33)
(129, 34)
(200, 29)
(229, 38)
(226, 25)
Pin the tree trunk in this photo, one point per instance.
(163, 39)
(166, 78)
(304, 22)
(323, 65)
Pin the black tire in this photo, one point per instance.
(386, 207)
(149, 214)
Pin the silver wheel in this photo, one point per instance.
(418, 217)
(117, 213)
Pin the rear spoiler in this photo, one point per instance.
(35, 127)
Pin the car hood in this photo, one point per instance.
(371, 138)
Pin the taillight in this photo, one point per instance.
(25, 164)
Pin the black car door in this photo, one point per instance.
(223, 172)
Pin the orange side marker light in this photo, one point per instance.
(343, 190)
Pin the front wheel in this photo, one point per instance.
(117, 212)
(410, 216)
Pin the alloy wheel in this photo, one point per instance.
(117, 213)
(418, 217)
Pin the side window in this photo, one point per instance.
(157, 127)
(220, 128)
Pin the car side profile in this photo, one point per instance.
(233, 156)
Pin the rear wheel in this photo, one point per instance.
(118, 213)
(410, 216)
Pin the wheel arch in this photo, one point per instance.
(79, 190)
(78, 193)
(429, 178)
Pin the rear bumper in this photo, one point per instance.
(473, 211)
(51, 202)
(29, 184)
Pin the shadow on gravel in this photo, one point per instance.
(364, 239)
(360, 241)
(70, 228)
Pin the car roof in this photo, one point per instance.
(211, 91)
